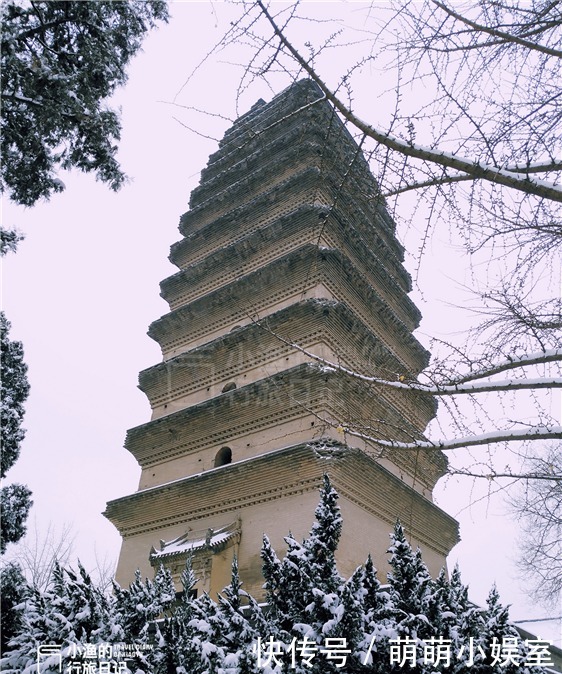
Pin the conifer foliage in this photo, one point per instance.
(13, 589)
(14, 389)
(315, 621)
(60, 62)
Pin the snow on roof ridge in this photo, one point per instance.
(204, 538)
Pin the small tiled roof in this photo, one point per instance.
(191, 541)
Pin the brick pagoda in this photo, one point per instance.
(286, 242)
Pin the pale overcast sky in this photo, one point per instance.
(83, 288)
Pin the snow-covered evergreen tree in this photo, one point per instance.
(378, 618)
(466, 627)
(15, 502)
(72, 613)
(207, 629)
(315, 621)
(504, 651)
(75, 614)
(361, 600)
(310, 607)
(181, 634)
(135, 614)
(13, 590)
(60, 61)
(14, 389)
(244, 622)
(9, 239)
(410, 587)
(141, 603)
(34, 630)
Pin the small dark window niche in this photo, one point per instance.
(223, 457)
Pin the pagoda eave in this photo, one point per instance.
(276, 475)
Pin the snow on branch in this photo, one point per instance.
(477, 170)
(447, 179)
(507, 474)
(514, 435)
(464, 385)
(510, 363)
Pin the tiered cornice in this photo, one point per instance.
(287, 251)
(315, 225)
(321, 400)
(325, 327)
(305, 272)
(284, 472)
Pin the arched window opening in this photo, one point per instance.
(224, 456)
(229, 387)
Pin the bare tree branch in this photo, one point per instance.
(449, 179)
(539, 433)
(494, 32)
(459, 386)
(477, 170)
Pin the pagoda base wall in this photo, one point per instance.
(276, 493)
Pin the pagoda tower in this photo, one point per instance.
(287, 242)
